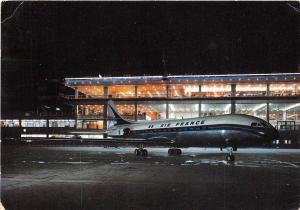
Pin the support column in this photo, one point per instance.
(233, 90)
(47, 126)
(136, 91)
(232, 108)
(199, 109)
(75, 122)
(200, 102)
(233, 94)
(105, 115)
(284, 115)
(167, 102)
(167, 89)
(76, 111)
(268, 111)
(135, 103)
(135, 111)
(76, 107)
(76, 93)
(105, 92)
(268, 89)
(167, 109)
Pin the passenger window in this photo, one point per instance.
(254, 124)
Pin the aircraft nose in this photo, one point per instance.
(276, 134)
(271, 135)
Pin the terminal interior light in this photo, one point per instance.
(284, 87)
(251, 87)
(215, 88)
(258, 107)
(172, 108)
(227, 107)
(291, 107)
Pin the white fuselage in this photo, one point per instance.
(230, 119)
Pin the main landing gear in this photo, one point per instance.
(174, 151)
(230, 157)
(141, 151)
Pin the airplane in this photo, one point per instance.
(228, 131)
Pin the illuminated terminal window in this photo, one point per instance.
(90, 124)
(53, 136)
(125, 91)
(152, 91)
(215, 109)
(10, 123)
(251, 89)
(215, 90)
(126, 110)
(34, 123)
(257, 110)
(151, 111)
(61, 123)
(285, 89)
(183, 90)
(91, 91)
(94, 110)
(284, 111)
(181, 111)
(33, 135)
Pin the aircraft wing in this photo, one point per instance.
(157, 141)
(153, 140)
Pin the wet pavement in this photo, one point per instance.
(61, 177)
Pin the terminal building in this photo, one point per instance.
(272, 97)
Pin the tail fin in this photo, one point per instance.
(112, 112)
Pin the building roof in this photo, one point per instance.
(277, 77)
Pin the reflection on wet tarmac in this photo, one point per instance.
(216, 157)
(59, 177)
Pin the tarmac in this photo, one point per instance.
(93, 177)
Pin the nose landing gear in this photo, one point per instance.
(230, 157)
(174, 151)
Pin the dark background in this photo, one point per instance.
(44, 42)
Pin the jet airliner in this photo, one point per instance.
(228, 131)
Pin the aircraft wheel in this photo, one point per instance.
(137, 152)
(174, 151)
(178, 152)
(230, 158)
(144, 152)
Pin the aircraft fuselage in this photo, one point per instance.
(214, 131)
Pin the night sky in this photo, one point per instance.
(53, 40)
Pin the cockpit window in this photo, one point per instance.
(260, 124)
(254, 124)
(264, 124)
